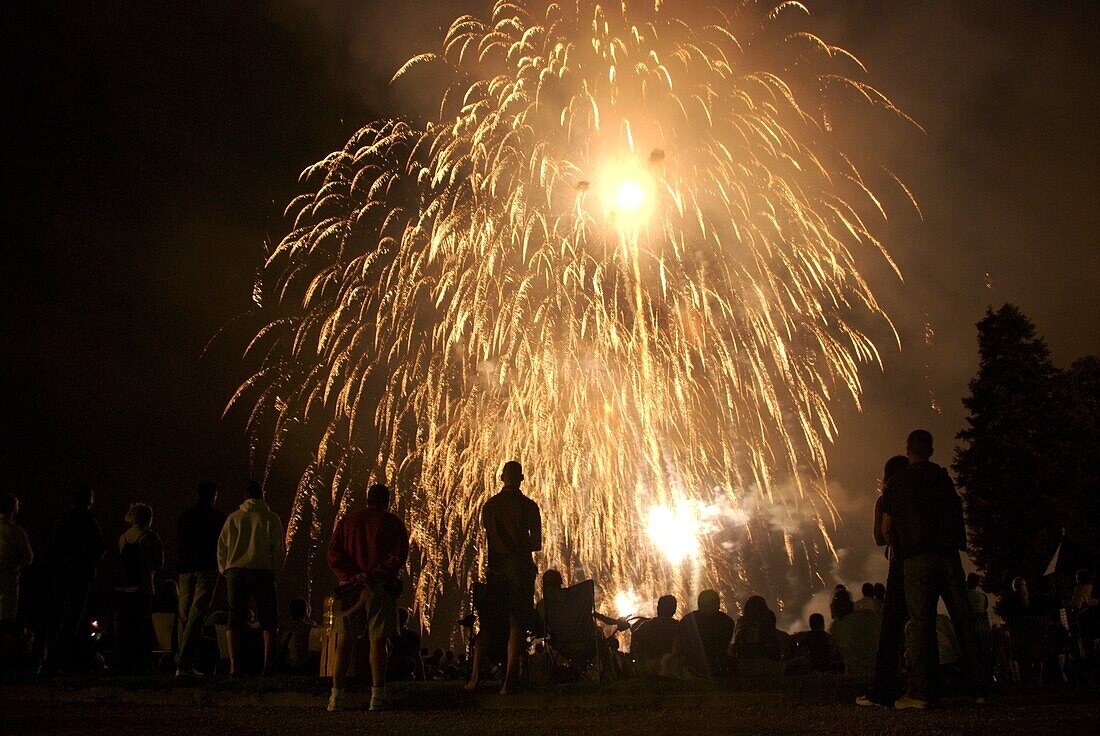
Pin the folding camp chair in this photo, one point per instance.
(572, 637)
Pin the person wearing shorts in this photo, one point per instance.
(250, 550)
(368, 551)
(375, 618)
(513, 533)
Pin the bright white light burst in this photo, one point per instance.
(676, 532)
(631, 197)
(628, 603)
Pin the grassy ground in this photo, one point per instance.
(295, 707)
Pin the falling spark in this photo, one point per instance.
(626, 252)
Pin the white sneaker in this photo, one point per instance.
(335, 703)
(907, 703)
(380, 702)
(866, 702)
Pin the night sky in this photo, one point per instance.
(152, 146)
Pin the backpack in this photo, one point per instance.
(131, 571)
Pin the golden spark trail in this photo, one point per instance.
(626, 253)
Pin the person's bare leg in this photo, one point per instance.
(344, 653)
(475, 666)
(269, 651)
(379, 658)
(233, 637)
(511, 670)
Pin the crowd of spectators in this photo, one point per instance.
(222, 606)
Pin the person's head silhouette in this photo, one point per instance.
(709, 602)
(512, 474)
(207, 493)
(378, 497)
(918, 446)
(552, 580)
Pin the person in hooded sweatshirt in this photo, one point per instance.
(250, 551)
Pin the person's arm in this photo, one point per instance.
(278, 542)
(620, 624)
(887, 526)
(536, 529)
(880, 538)
(154, 550)
(419, 665)
(26, 554)
(398, 554)
(223, 546)
(678, 640)
(338, 558)
(96, 546)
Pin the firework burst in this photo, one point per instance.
(625, 253)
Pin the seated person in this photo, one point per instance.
(406, 661)
(551, 579)
(1087, 607)
(855, 633)
(817, 646)
(433, 665)
(755, 637)
(786, 646)
(703, 638)
(652, 641)
(947, 644)
(294, 654)
(945, 638)
(869, 601)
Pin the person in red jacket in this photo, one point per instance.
(368, 548)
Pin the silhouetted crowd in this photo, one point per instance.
(895, 635)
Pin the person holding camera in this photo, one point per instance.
(368, 551)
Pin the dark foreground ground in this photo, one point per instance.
(141, 709)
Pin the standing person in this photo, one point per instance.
(979, 606)
(1083, 602)
(884, 688)
(513, 533)
(250, 550)
(140, 558)
(197, 532)
(73, 549)
(922, 516)
(15, 554)
(368, 548)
